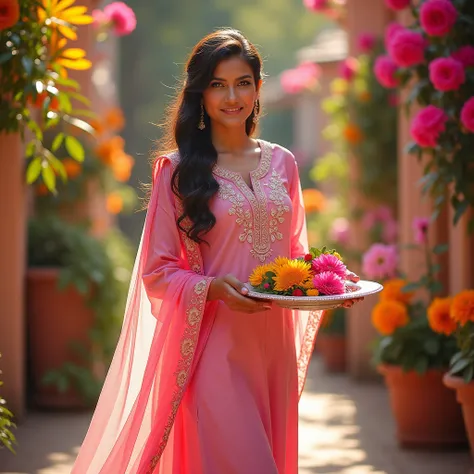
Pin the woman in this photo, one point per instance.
(206, 380)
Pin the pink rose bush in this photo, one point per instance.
(447, 74)
(437, 17)
(385, 71)
(348, 69)
(467, 115)
(407, 48)
(465, 55)
(366, 42)
(397, 4)
(427, 126)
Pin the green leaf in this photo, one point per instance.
(5, 57)
(49, 177)
(80, 98)
(411, 287)
(468, 375)
(57, 142)
(58, 167)
(79, 124)
(74, 148)
(27, 64)
(33, 171)
(432, 346)
(460, 365)
(441, 248)
(421, 365)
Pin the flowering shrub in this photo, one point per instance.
(436, 54)
(411, 334)
(35, 56)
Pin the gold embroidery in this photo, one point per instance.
(277, 195)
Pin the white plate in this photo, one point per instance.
(312, 303)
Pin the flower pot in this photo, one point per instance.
(332, 348)
(465, 396)
(55, 319)
(425, 410)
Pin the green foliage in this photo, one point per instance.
(100, 270)
(462, 363)
(7, 438)
(450, 165)
(31, 74)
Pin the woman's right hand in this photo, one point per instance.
(233, 293)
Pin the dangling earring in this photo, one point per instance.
(256, 110)
(202, 125)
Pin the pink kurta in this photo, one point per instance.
(220, 388)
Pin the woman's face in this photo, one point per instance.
(230, 97)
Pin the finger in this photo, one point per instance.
(236, 283)
(351, 276)
(241, 302)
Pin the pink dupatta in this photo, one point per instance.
(166, 325)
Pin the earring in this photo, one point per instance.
(256, 110)
(202, 125)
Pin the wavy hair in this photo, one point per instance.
(192, 180)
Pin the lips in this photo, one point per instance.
(232, 110)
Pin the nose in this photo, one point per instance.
(231, 94)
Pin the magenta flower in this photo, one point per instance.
(447, 74)
(467, 114)
(465, 55)
(329, 263)
(420, 226)
(99, 18)
(397, 4)
(295, 80)
(316, 5)
(385, 71)
(348, 69)
(328, 283)
(427, 126)
(380, 261)
(437, 17)
(390, 31)
(122, 17)
(366, 42)
(407, 48)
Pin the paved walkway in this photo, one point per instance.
(345, 428)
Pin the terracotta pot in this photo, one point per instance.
(332, 348)
(55, 318)
(425, 411)
(465, 396)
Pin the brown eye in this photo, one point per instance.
(216, 84)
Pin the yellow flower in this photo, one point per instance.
(392, 291)
(259, 274)
(308, 285)
(438, 316)
(295, 272)
(279, 261)
(388, 316)
(312, 292)
(338, 255)
(64, 16)
(339, 86)
(462, 308)
(70, 58)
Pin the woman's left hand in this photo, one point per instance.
(351, 276)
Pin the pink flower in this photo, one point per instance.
(465, 55)
(407, 48)
(390, 231)
(427, 125)
(397, 4)
(379, 214)
(380, 261)
(447, 74)
(467, 114)
(295, 80)
(348, 69)
(366, 42)
(420, 226)
(390, 31)
(316, 5)
(266, 286)
(329, 263)
(328, 283)
(385, 71)
(437, 17)
(339, 231)
(99, 18)
(122, 17)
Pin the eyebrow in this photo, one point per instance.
(247, 76)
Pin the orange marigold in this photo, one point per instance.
(72, 167)
(352, 134)
(121, 165)
(108, 149)
(9, 13)
(438, 316)
(392, 291)
(314, 200)
(462, 307)
(114, 203)
(312, 292)
(114, 119)
(388, 316)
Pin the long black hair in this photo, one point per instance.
(193, 181)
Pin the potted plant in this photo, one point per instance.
(76, 290)
(460, 376)
(332, 340)
(413, 356)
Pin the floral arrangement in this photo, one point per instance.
(436, 54)
(321, 272)
(408, 337)
(37, 94)
(455, 316)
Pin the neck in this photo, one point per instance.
(227, 140)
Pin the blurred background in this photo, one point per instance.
(375, 98)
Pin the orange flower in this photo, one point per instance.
(97, 126)
(121, 166)
(314, 200)
(110, 147)
(73, 168)
(462, 307)
(42, 190)
(114, 203)
(388, 316)
(114, 119)
(9, 13)
(438, 316)
(352, 134)
(392, 291)
(312, 292)
(40, 98)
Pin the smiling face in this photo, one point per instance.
(230, 97)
